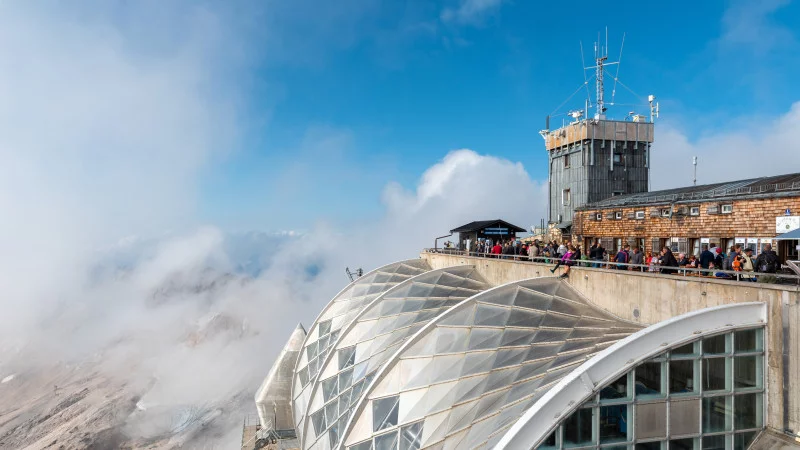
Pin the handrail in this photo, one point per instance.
(740, 276)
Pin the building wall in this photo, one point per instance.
(651, 298)
(750, 218)
(592, 174)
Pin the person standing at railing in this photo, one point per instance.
(562, 249)
(637, 258)
(533, 250)
(622, 257)
(497, 250)
(667, 261)
(706, 257)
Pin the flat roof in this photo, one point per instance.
(482, 224)
(783, 185)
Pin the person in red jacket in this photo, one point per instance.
(497, 249)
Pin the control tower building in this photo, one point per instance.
(594, 158)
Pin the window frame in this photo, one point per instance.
(640, 215)
(694, 210)
(726, 208)
(566, 161)
(566, 197)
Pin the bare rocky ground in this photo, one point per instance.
(77, 407)
(82, 406)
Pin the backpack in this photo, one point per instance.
(769, 263)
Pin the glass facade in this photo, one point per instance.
(708, 394)
(324, 332)
(468, 376)
(371, 338)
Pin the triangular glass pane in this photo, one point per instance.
(525, 318)
(489, 315)
(491, 403)
(412, 305)
(384, 412)
(469, 388)
(420, 290)
(555, 320)
(443, 291)
(386, 441)
(474, 284)
(391, 306)
(462, 416)
(546, 286)
(451, 340)
(509, 357)
(447, 367)
(401, 291)
(570, 358)
(501, 378)
(463, 316)
(424, 316)
(411, 436)
(565, 306)
(517, 336)
(477, 362)
(526, 298)
(578, 344)
(522, 390)
(484, 338)
(433, 304)
(545, 350)
(552, 334)
(580, 333)
(451, 280)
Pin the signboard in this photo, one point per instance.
(740, 241)
(785, 224)
(705, 240)
(496, 230)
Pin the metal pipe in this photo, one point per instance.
(436, 241)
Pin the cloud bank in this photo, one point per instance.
(743, 148)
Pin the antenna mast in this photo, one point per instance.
(600, 58)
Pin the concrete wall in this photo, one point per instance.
(650, 298)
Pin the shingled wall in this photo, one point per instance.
(749, 218)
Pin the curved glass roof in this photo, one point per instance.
(606, 367)
(470, 373)
(375, 334)
(336, 314)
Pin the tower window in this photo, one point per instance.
(566, 160)
(566, 197)
(617, 158)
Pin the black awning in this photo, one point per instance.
(496, 226)
(564, 225)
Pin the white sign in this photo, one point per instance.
(785, 224)
(740, 241)
(705, 240)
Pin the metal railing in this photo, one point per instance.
(605, 265)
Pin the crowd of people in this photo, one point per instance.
(714, 262)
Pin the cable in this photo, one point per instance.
(573, 94)
(585, 81)
(619, 63)
(626, 87)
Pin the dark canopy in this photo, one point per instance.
(792, 235)
(481, 225)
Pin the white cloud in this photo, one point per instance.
(747, 148)
(751, 25)
(108, 121)
(470, 12)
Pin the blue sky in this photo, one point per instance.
(361, 93)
